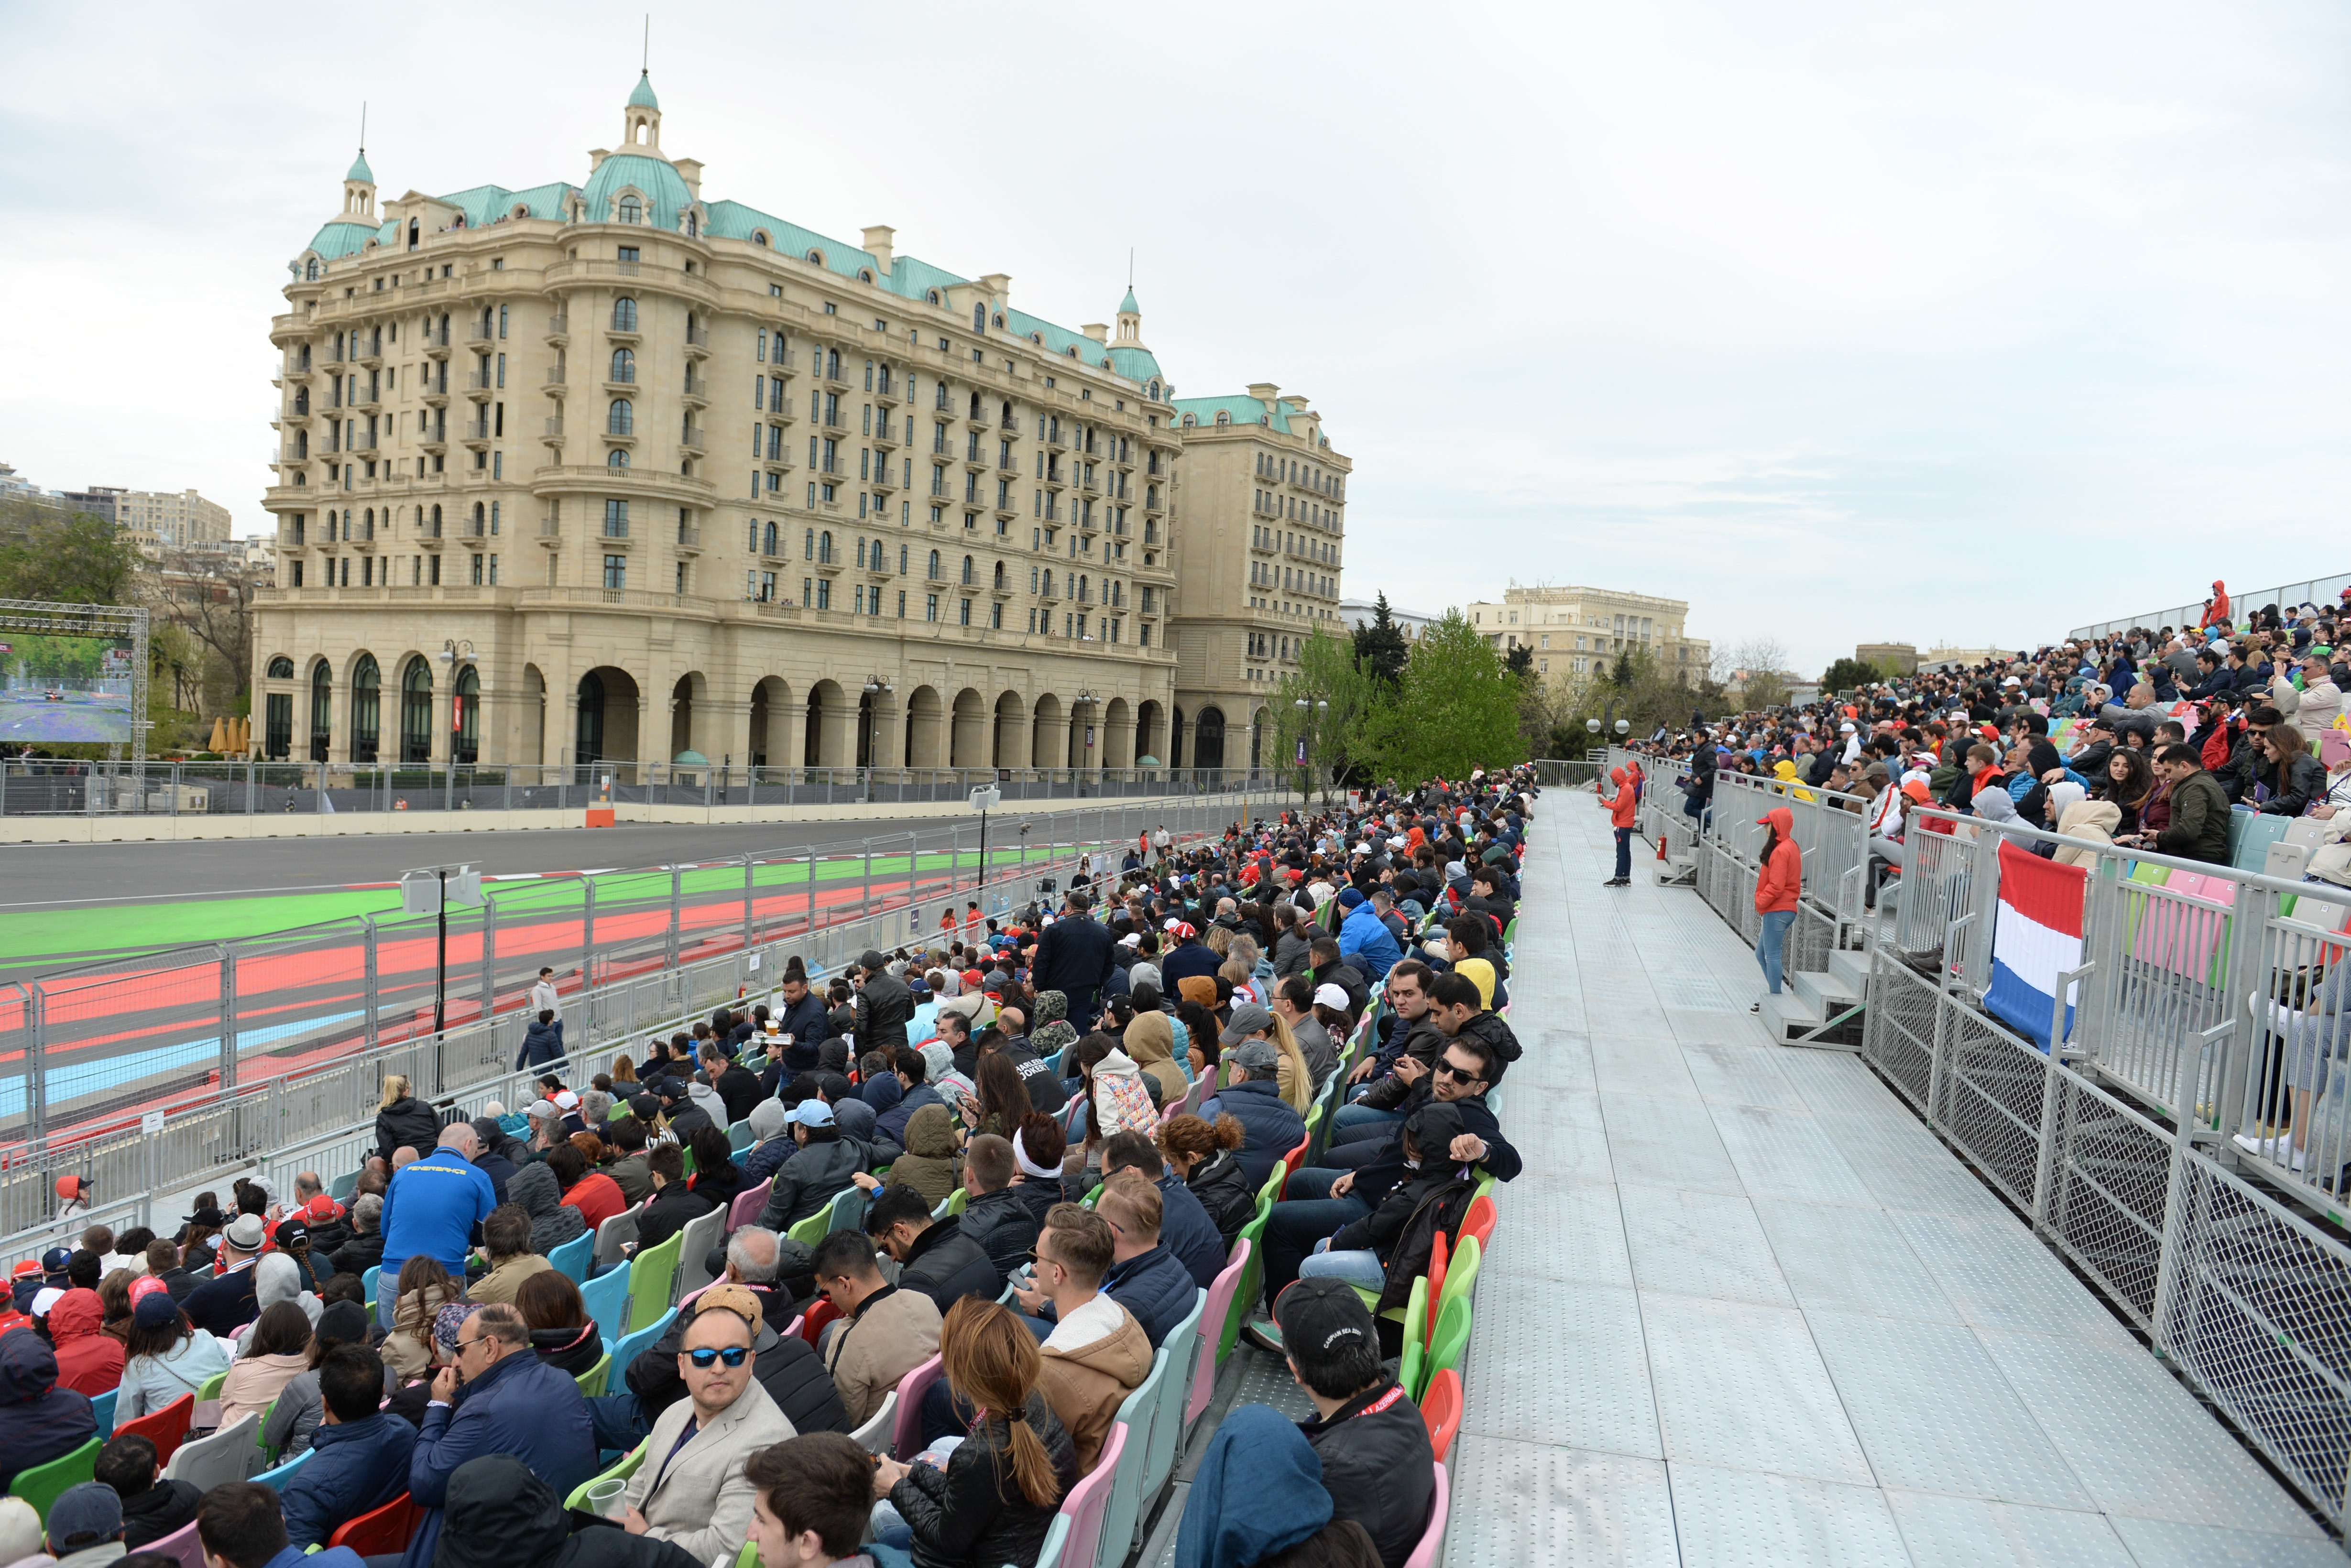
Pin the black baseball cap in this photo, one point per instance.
(1317, 1318)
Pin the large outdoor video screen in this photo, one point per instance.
(55, 689)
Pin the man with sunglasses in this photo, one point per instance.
(496, 1398)
(691, 1490)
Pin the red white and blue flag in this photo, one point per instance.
(2037, 937)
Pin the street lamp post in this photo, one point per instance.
(1621, 727)
(1311, 718)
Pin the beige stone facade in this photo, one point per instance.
(1575, 631)
(1902, 656)
(1261, 511)
(613, 472)
(162, 520)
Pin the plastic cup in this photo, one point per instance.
(608, 1498)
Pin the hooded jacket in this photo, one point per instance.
(1258, 1492)
(811, 1178)
(2085, 819)
(520, 1406)
(39, 1420)
(1225, 1194)
(1000, 1225)
(574, 1352)
(1150, 1040)
(89, 1361)
(407, 1123)
(355, 1466)
(542, 1043)
(787, 1366)
(1781, 879)
(1121, 1101)
(1093, 1359)
(1366, 940)
(947, 1265)
(500, 1515)
(1493, 1030)
(152, 1382)
(1378, 1468)
(552, 1222)
(928, 1166)
(973, 1513)
(2198, 830)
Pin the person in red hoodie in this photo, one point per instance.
(1621, 806)
(89, 1361)
(1779, 880)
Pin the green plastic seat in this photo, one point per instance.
(650, 1275)
(592, 1381)
(1452, 1335)
(620, 1473)
(1252, 1277)
(814, 1228)
(43, 1484)
(211, 1386)
(1460, 1277)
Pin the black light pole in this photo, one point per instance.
(441, 956)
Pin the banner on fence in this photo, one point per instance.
(2036, 937)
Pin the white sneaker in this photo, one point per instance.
(2264, 1148)
(2253, 1005)
(2299, 1156)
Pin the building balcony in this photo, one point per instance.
(558, 329)
(435, 397)
(625, 436)
(437, 342)
(479, 387)
(698, 343)
(696, 392)
(695, 439)
(478, 337)
(885, 436)
(1055, 440)
(550, 530)
(553, 433)
(886, 477)
(620, 334)
(474, 432)
(689, 539)
(1056, 481)
(886, 391)
(835, 376)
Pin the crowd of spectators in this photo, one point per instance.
(1027, 1064)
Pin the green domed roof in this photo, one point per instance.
(664, 187)
(360, 171)
(642, 98)
(1127, 307)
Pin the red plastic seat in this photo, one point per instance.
(1440, 1406)
(821, 1312)
(1437, 1255)
(1480, 1221)
(166, 1428)
(380, 1531)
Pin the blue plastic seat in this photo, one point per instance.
(1165, 1436)
(276, 1480)
(848, 1210)
(628, 1347)
(607, 1299)
(573, 1257)
(1125, 1510)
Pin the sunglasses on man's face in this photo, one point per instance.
(703, 1358)
(1459, 1074)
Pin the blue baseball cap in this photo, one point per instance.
(810, 1113)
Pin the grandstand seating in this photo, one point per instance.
(606, 1297)
(43, 1484)
(379, 1530)
(182, 1546)
(230, 1454)
(652, 1276)
(166, 1428)
(695, 1240)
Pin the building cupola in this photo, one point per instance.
(1130, 321)
(643, 118)
(359, 190)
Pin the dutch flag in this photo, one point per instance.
(2037, 938)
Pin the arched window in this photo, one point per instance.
(481, 520)
(322, 709)
(980, 318)
(624, 314)
(417, 711)
(1190, 420)
(281, 668)
(808, 544)
(768, 540)
(617, 458)
(465, 719)
(759, 238)
(366, 712)
(1155, 392)
(624, 365)
(824, 547)
(1223, 417)
(631, 210)
(692, 226)
(310, 270)
(816, 257)
(999, 577)
(861, 553)
(1038, 338)
(833, 365)
(621, 420)
(864, 275)
(902, 561)
(1000, 321)
(933, 294)
(1072, 351)
(967, 571)
(934, 574)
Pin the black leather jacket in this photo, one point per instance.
(973, 1513)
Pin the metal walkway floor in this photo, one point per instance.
(1743, 1307)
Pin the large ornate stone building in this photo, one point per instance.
(617, 473)
(1577, 630)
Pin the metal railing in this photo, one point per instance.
(2324, 592)
(275, 1047)
(2121, 1147)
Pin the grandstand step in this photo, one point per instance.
(1823, 992)
(1789, 1015)
(1850, 969)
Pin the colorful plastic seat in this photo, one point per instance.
(650, 1275)
(1444, 1351)
(1440, 1407)
(379, 1530)
(166, 1428)
(573, 1257)
(211, 1386)
(906, 1441)
(1164, 1439)
(276, 1478)
(606, 1297)
(367, 1284)
(1088, 1504)
(230, 1454)
(614, 1235)
(43, 1484)
(1432, 1537)
(1460, 1277)
(622, 1471)
(821, 1312)
(1212, 1328)
(1252, 1277)
(1127, 1491)
(880, 1432)
(849, 1210)
(695, 1241)
(748, 1204)
(101, 1408)
(814, 1228)
(182, 1546)
(629, 1346)
(592, 1381)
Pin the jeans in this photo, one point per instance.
(1308, 1214)
(1348, 1117)
(619, 1422)
(1769, 943)
(1623, 854)
(1357, 1267)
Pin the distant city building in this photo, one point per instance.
(1900, 656)
(167, 521)
(1575, 631)
(1359, 613)
(15, 486)
(99, 500)
(1945, 657)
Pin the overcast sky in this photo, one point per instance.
(1844, 322)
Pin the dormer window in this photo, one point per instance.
(816, 258)
(692, 226)
(759, 238)
(1222, 417)
(310, 270)
(935, 296)
(631, 210)
(864, 275)
(999, 322)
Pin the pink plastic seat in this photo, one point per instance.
(1212, 1328)
(1089, 1500)
(749, 1205)
(907, 1440)
(183, 1544)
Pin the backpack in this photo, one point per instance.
(1441, 1210)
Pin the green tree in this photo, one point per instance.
(1454, 709)
(1520, 661)
(74, 559)
(1381, 647)
(1325, 702)
(1848, 673)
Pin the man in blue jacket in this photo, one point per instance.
(1271, 1128)
(432, 1208)
(1364, 939)
(239, 1526)
(1185, 1228)
(39, 1420)
(509, 1402)
(358, 1454)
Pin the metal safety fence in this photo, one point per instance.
(2325, 593)
(56, 786)
(2187, 1144)
(148, 1073)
